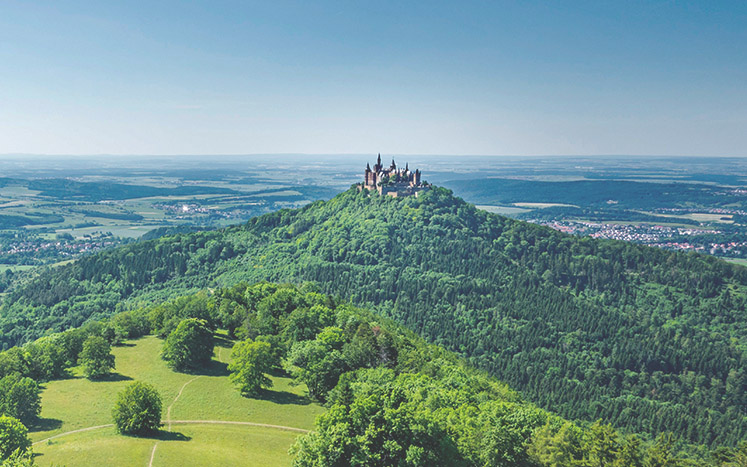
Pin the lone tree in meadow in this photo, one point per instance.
(190, 345)
(19, 398)
(137, 410)
(96, 357)
(13, 438)
(250, 362)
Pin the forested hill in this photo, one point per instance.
(647, 339)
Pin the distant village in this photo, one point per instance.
(669, 238)
(36, 250)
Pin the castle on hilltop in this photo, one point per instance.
(392, 181)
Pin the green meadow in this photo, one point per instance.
(205, 419)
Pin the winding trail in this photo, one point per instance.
(152, 455)
(90, 428)
(169, 422)
(168, 410)
(168, 414)
(185, 422)
(229, 422)
(168, 418)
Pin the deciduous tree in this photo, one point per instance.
(137, 410)
(190, 345)
(96, 357)
(13, 437)
(251, 361)
(19, 398)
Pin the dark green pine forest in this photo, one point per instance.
(646, 339)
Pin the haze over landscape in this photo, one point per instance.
(373, 233)
(648, 77)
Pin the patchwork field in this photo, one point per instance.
(502, 210)
(205, 419)
(544, 205)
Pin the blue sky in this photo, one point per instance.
(467, 77)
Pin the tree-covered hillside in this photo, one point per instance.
(391, 399)
(646, 339)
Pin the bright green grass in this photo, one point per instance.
(204, 445)
(227, 445)
(102, 447)
(77, 403)
(214, 397)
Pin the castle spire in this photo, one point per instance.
(378, 161)
(368, 167)
(407, 166)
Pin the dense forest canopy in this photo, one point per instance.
(646, 339)
(391, 398)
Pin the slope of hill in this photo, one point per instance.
(646, 339)
(224, 428)
(391, 399)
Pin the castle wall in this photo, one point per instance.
(407, 184)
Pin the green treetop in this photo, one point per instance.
(96, 357)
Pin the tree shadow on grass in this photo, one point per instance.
(164, 435)
(280, 373)
(214, 368)
(111, 377)
(67, 375)
(45, 424)
(123, 344)
(221, 341)
(283, 397)
(161, 435)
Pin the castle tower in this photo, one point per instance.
(400, 182)
(370, 177)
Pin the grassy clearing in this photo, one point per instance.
(16, 267)
(227, 445)
(284, 404)
(77, 403)
(206, 445)
(504, 210)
